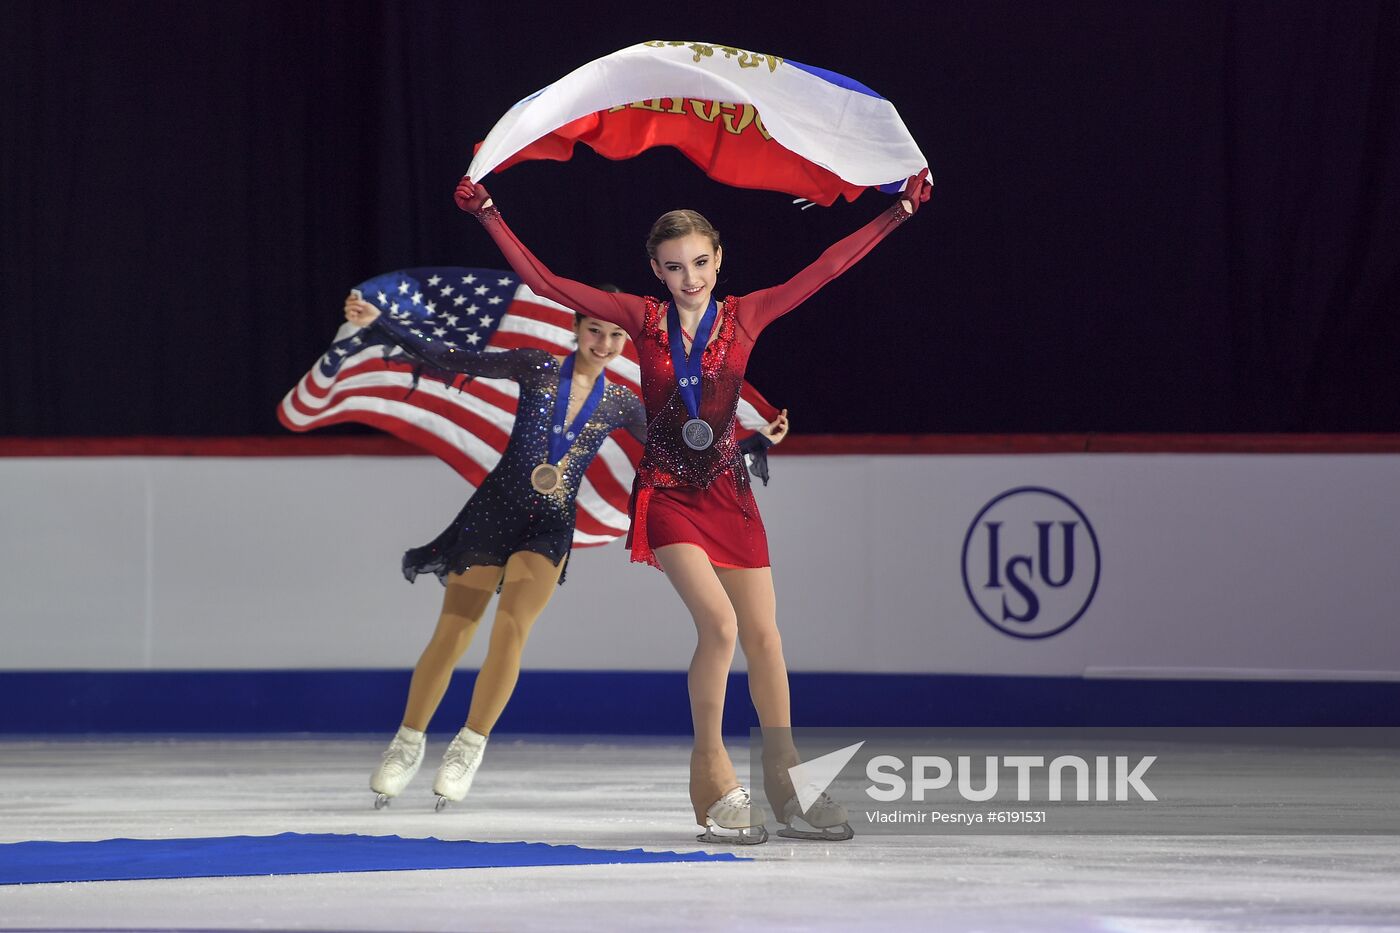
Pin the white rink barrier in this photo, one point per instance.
(1227, 566)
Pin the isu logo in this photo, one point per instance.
(1030, 562)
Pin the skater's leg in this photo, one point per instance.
(526, 589)
(751, 593)
(463, 605)
(530, 582)
(693, 577)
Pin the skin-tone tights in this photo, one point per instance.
(527, 582)
(730, 605)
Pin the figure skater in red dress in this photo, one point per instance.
(693, 513)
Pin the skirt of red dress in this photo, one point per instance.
(722, 520)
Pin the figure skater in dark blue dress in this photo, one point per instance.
(515, 533)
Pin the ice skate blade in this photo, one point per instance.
(749, 836)
(441, 804)
(381, 801)
(831, 834)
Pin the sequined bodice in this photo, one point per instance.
(667, 461)
(538, 377)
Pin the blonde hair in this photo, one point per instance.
(673, 225)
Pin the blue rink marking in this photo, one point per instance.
(295, 854)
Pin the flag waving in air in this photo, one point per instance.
(465, 421)
(749, 120)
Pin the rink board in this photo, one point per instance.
(656, 703)
(264, 592)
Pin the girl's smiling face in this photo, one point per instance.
(599, 341)
(688, 266)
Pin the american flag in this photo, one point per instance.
(464, 421)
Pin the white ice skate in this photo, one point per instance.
(401, 762)
(459, 764)
(734, 812)
(825, 820)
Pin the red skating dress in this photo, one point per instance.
(699, 497)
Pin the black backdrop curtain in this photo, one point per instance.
(1164, 216)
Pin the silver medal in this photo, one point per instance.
(697, 434)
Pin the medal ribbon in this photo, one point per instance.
(688, 368)
(560, 440)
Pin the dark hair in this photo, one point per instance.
(602, 287)
(673, 225)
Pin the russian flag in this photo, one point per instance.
(746, 119)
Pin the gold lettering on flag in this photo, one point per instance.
(741, 57)
(709, 115)
(746, 116)
(735, 118)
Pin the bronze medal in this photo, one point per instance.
(546, 478)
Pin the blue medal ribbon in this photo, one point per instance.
(561, 440)
(688, 368)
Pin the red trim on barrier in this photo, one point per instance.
(810, 444)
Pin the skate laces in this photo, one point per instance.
(738, 797)
(821, 804)
(736, 801)
(736, 810)
(401, 753)
(459, 758)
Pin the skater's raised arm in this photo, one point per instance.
(763, 307)
(626, 311)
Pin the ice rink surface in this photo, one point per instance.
(619, 793)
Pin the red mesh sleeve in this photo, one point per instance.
(625, 311)
(763, 307)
